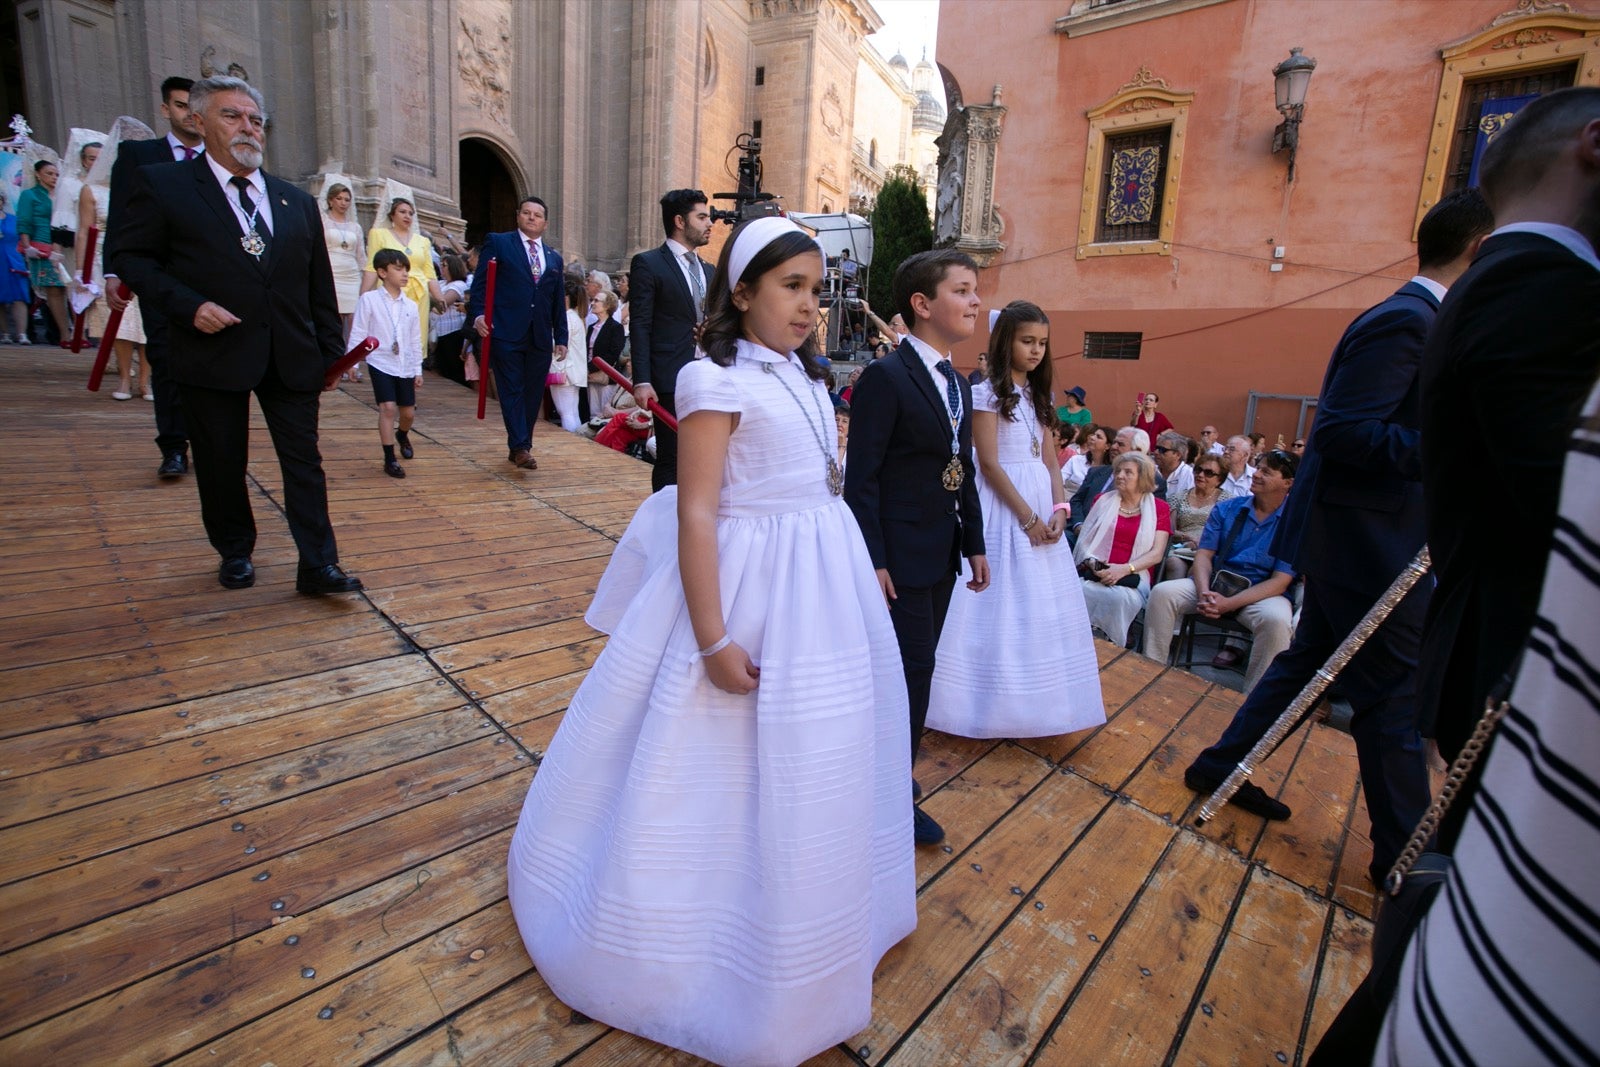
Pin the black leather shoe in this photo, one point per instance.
(320, 581)
(1250, 797)
(237, 573)
(175, 465)
(403, 439)
(393, 469)
(924, 831)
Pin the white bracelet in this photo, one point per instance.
(717, 646)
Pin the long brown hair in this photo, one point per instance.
(1015, 314)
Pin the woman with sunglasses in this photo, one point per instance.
(1190, 511)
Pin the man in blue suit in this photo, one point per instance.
(530, 322)
(1353, 521)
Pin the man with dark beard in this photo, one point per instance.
(1517, 343)
(234, 260)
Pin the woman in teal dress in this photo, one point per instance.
(33, 230)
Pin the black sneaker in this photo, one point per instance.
(403, 439)
(1250, 797)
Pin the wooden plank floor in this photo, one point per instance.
(251, 827)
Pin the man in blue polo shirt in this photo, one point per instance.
(1236, 544)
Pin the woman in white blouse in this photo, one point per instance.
(347, 255)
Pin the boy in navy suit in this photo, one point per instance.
(909, 474)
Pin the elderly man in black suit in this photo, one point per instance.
(182, 143)
(234, 260)
(1517, 343)
(1352, 524)
(667, 289)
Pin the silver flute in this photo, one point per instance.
(1319, 683)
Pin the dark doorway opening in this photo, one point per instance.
(488, 194)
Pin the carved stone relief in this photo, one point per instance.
(964, 211)
(483, 58)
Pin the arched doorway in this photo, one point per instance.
(488, 191)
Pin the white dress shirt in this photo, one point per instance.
(380, 315)
(533, 248)
(695, 288)
(257, 192)
(177, 148)
(1239, 486)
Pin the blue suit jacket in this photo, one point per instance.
(899, 447)
(525, 312)
(1355, 516)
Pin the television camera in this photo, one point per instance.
(749, 202)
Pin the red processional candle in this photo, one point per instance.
(488, 321)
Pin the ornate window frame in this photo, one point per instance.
(1143, 103)
(1536, 33)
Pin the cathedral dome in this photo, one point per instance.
(898, 63)
(928, 112)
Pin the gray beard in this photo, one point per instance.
(246, 156)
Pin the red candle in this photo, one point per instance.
(88, 276)
(617, 376)
(102, 357)
(488, 321)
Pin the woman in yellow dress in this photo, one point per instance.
(423, 285)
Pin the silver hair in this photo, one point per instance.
(600, 278)
(1139, 439)
(201, 90)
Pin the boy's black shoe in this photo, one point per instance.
(1250, 797)
(393, 469)
(403, 439)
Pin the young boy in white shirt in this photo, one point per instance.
(396, 364)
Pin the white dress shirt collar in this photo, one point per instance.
(931, 358)
(176, 147)
(1566, 236)
(676, 249)
(258, 183)
(1432, 286)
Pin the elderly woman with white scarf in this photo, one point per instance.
(1121, 542)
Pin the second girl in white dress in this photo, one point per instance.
(1018, 660)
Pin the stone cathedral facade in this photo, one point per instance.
(597, 106)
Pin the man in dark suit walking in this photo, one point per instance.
(667, 289)
(529, 321)
(1517, 344)
(909, 472)
(234, 260)
(182, 143)
(1350, 526)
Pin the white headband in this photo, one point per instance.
(752, 239)
(994, 317)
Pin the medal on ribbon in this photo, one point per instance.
(252, 243)
(954, 474)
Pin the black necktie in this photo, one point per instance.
(243, 187)
(952, 395)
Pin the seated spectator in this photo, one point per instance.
(1121, 542)
(620, 420)
(1145, 416)
(841, 425)
(1072, 412)
(1235, 550)
(1098, 479)
(1258, 447)
(606, 341)
(1209, 442)
(983, 369)
(1172, 460)
(1236, 463)
(1094, 450)
(1299, 446)
(450, 324)
(1189, 514)
(1066, 444)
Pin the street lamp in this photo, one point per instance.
(1291, 79)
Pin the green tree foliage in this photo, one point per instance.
(901, 228)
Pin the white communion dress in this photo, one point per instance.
(716, 872)
(1017, 659)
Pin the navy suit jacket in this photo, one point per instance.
(1516, 348)
(178, 247)
(661, 317)
(899, 447)
(1355, 515)
(525, 313)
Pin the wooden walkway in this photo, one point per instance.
(252, 827)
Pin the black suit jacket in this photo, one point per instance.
(1355, 515)
(131, 155)
(1514, 351)
(898, 450)
(661, 317)
(608, 342)
(179, 247)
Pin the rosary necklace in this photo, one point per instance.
(835, 472)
